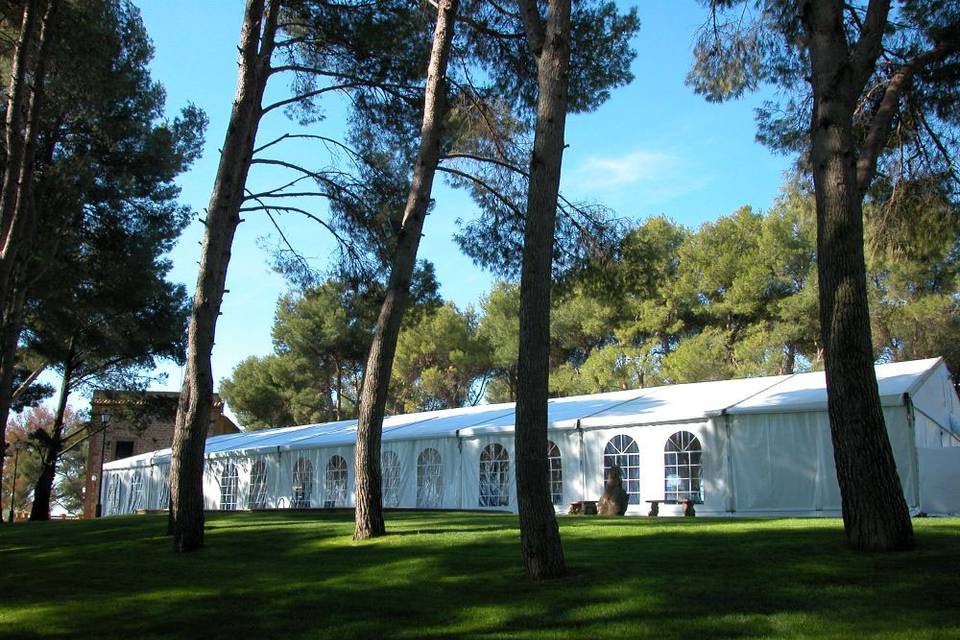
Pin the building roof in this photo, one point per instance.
(635, 407)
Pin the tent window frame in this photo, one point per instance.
(258, 485)
(302, 487)
(390, 478)
(683, 468)
(136, 492)
(163, 501)
(494, 476)
(429, 478)
(555, 464)
(113, 495)
(335, 482)
(623, 451)
(229, 483)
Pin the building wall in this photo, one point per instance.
(124, 437)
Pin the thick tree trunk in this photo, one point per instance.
(875, 513)
(9, 336)
(373, 395)
(223, 216)
(539, 533)
(16, 212)
(43, 490)
(15, 117)
(17, 217)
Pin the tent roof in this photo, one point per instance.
(653, 405)
(808, 391)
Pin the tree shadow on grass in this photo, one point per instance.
(629, 578)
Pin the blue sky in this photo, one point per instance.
(654, 148)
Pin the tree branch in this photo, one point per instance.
(533, 24)
(26, 383)
(306, 96)
(879, 127)
(496, 194)
(870, 43)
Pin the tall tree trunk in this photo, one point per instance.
(339, 389)
(373, 394)
(9, 336)
(875, 513)
(15, 117)
(223, 216)
(539, 533)
(789, 360)
(43, 489)
(17, 216)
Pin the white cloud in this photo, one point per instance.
(639, 166)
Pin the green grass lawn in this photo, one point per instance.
(284, 575)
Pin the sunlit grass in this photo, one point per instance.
(281, 575)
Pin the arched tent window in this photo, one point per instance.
(556, 473)
(136, 492)
(113, 495)
(682, 468)
(258, 485)
(429, 479)
(623, 451)
(390, 466)
(335, 482)
(163, 500)
(494, 476)
(228, 487)
(302, 484)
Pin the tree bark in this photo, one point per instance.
(875, 513)
(14, 119)
(16, 212)
(17, 217)
(43, 489)
(539, 533)
(9, 336)
(223, 216)
(373, 395)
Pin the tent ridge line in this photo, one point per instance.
(723, 411)
(614, 406)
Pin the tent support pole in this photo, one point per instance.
(583, 471)
(914, 454)
(730, 498)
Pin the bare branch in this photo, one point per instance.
(26, 383)
(306, 96)
(495, 193)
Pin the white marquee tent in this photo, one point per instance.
(751, 446)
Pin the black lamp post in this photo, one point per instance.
(105, 419)
(13, 487)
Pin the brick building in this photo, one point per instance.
(132, 422)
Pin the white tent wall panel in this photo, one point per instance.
(651, 442)
(940, 480)
(427, 473)
(469, 481)
(936, 411)
(931, 435)
(571, 467)
(765, 449)
(398, 465)
(156, 484)
(213, 480)
(784, 462)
